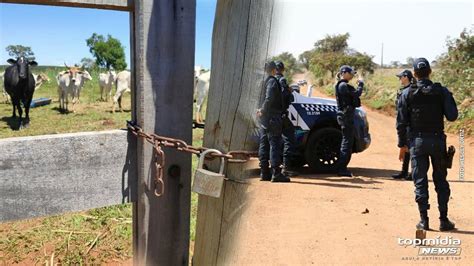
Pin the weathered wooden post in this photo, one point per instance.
(164, 37)
(240, 44)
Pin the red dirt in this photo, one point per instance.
(320, 219)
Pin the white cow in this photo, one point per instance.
(123, 85)
(6, 97)
(106, 81)
(39, 80)
(201, 88)
(70, 83)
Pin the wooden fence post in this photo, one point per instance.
(240, 45)
(163, 63)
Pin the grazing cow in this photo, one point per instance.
(123, 84)
(20, 85)
(106, 81)
(70, 82)
(201, 88)
(39, 80)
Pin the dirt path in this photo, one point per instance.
(320, 219)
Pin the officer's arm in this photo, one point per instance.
(449, 106)
(269, 95)
(402, 119)
(284, 83)
(360, 88)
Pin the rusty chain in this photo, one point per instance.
(159, 155)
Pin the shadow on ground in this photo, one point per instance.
(13, 123)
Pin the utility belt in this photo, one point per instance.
(449, 155)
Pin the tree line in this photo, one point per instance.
(108, 53)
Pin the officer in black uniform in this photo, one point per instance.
(271, 127)
(406, 79)
(289, 138)
(347, 100)
(421, 109)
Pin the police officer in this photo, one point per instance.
(406, 79)
(421, 109)
(347, 100)
(271, 126)
(289, 139)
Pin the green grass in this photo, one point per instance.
(91, 114)
(34, 241)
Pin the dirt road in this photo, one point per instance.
(325, 219)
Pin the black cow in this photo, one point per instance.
(20, 85)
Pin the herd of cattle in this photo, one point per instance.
(19, 85)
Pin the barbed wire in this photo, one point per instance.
(159, 155)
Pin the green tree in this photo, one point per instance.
(291, 65)
(88, 63)
(410, 61)
(108, 52)
(333, 43)
(455, 68)
(20, 50)
(305, 58)
(333, 51)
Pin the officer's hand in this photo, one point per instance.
(401, 154)
(360, 83)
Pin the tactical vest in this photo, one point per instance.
(346, 100)
(426, 108)
(276, 107)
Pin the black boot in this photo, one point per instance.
(278, 176)
(444, 223)
(424, 222)
(265, 174)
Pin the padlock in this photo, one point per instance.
(207, 182)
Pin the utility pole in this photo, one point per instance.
(381, 58)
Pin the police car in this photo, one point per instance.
(318, 134)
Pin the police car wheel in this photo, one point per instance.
(322, 149)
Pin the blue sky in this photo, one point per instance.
(395, 23)
(57, 34)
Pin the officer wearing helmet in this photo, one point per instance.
(348, 100)
(406, 79)
(270, 146)
(421, 109)
(288, 132)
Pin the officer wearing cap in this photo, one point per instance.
(289, 139)
(421, 109)
(270, 146)
(348, 98)
(406, 79)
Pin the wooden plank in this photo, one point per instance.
(240, 46)
(121, 5)
(52, 174)
(164, 64)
